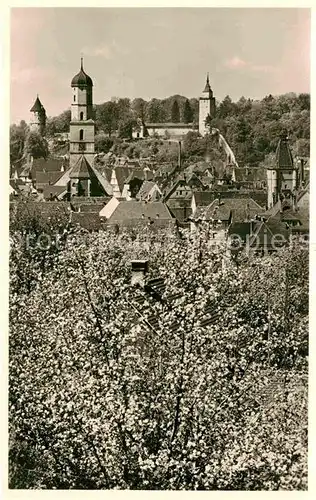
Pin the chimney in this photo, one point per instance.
(139, 270)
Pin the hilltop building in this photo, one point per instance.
(177, 130)
(38, 117)
(206, 107)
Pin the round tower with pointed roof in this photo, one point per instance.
(38, 117)
(206, 106)
(82, 127)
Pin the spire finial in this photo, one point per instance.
(208, 78)
(81, 59)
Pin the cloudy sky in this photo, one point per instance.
(156, 53)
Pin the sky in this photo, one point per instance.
(154, 52)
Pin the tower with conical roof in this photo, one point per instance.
(38, 117)
(82, 127)
(206, 106)
(281, 177)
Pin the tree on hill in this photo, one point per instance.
(139, 108)
(175, 113)
(187, 112)
(36, 145)
(107, 115)
(58, 124)
(17, 140)
(155, 113)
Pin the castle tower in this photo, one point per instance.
(206, 107)
(281, 178)
(82, 128)
(38, 117)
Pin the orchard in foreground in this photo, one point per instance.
(101, 399)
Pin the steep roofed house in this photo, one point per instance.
(139, 214)
(149, 191)
(220, 214)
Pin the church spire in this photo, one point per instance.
(207, 85)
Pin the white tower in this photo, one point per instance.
(81, 137)
(206, 107)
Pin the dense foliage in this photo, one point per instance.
(251, 128)
(99, 398)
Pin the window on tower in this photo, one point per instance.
(74, 98)
(80, 135)
(81, 115)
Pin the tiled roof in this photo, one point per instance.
(82, 169)
(204, 198)
(54, 191)
(49, 165)
(91, 207)
(181, 213)
(242, 229)
(170, 125)
(264, 234)
(146, 189)
(122, 174)
(46, 178)
(239, 210)
(87, 220)
(250, 174)
(138, 210)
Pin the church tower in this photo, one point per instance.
(281, 177)
(81, 137)
(206, 107)
(38, 117)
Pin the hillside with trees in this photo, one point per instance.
(251, 128)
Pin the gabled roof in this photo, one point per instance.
(138, 210)
(239, 210)
(284, 157)
(122, 174)
(265, 234)
(46, 178)
(203, 198)
(82, 169)
(147, 189)
(55, 192)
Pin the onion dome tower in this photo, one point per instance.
(82, 127)
(206, 106)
